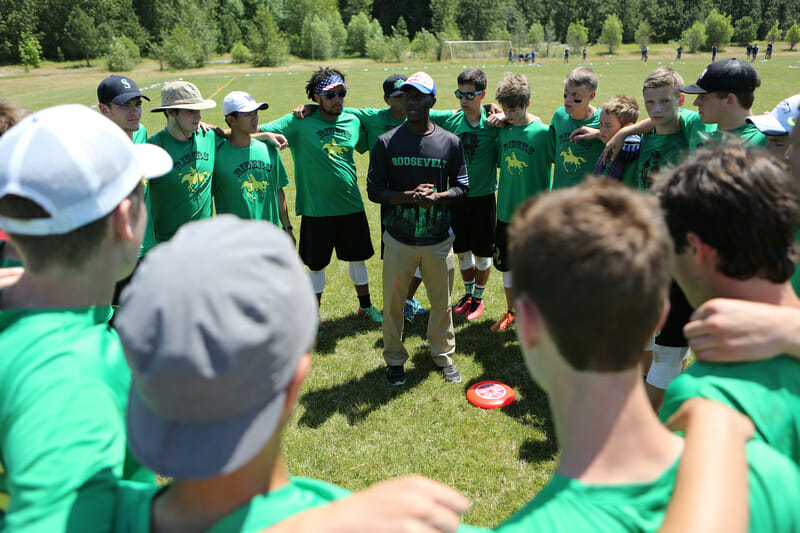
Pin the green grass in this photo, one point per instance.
(350, 427)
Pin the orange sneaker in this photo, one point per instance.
(505, 322)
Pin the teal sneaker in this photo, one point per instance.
(417, 308)
(408, 313)
(371, 314)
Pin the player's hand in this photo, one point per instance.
(220, 132)
(584, 133)
(705, 415)
(205, 127)
(613, 146)
(410, 504)
(491, 108)
(277, 139)
(497, 120)
(9, 276)
(726, 330)
(303, 110)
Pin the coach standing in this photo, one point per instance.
(416, 170)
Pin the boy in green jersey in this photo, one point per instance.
(248, 175)
(574, 160)
(328, 198)
(718, 204)
(591, 273)
(618, 112)
(184, 194)
(77, 218)
(524, 161)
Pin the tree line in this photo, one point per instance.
(185, 33)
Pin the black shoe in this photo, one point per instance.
(451, 374)
(397, 375)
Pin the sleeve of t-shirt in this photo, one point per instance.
(280, 170)
(457, 172)
(440, 117)
(363, 141)
(63, 452)
(551, 141)
(282, 125)
(377, 175)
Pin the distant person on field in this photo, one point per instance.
(566, 54)
(714, 53)
(680, 52)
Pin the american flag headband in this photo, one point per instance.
(329, 83)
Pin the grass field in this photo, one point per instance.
(350, 427)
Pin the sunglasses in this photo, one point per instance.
(330, 95)
(469, 96)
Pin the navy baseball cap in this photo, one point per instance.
(726, 75)
(391, 85)
(118, 90)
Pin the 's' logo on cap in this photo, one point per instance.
(125, 83)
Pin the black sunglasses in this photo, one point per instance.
(469, 96)
(330, 95)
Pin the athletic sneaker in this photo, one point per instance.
(396, 375)
(463, 305)
(408, 313)
(417, 307)
(475, 309)
(371, 313)
(450, 373)
(505, 322)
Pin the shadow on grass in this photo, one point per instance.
(358, 397)
(330, 331)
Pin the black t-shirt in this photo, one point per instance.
(402, 160)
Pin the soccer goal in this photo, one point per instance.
(457, 50)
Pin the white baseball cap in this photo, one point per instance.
(781, 120)
(242, 102)
(74, 163)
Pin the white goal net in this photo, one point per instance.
(454, 50)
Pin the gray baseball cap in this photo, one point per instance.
(213, 325)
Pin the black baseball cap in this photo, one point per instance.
(391, 85)
(726, 75)
(118, 90)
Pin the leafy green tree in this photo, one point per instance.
(17, 19)
(316, 38)
(695, 36)
(774, 34)
(426, 46)
(577, 35)
(443, 18)
(643, 33)
(268, 44)
(793, 36)
(745, 30)
(719, 29)
(30, 51)
(398, 42)
(378, 48)
(240, 53)
(359, 31)
(549, 37)
(351, 8)
(122, 54)
(536, 35)
(611, 35)
(84, 37)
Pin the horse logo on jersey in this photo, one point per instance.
(195, 179)
(252, 186)
(514, 163)
(572, 159)
(334, 149)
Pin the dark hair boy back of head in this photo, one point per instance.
(474, 76)
(319, 76)
(741, 203)
(595, 260)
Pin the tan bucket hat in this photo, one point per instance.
(183, 95)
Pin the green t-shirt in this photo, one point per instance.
(247, 181)
(695, 131)
(658, 152)
(572, 161)
(63, 395)
(375, 122)
(569, 506)
(768, 392)
(480, 148)
(747, 134)
(524, 166)
(140, 137)
(5, 263)
(324, 169)
(184, 194)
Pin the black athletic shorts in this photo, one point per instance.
(474, 220)
(500, 257)
(348, 234)
(679, 313)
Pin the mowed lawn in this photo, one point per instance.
(351, 428)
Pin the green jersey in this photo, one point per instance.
(747, 134)
(63, 395)
(324, 169)
(695, 131)
(5, 263)
(524, 166)
(658, 152)
(572, 161)
(768, 392)
(247, 181)
(480, 148)
(569, 506)
(184, 194)
(140, 137)
(375, 122)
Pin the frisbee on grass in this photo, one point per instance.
(490, 394)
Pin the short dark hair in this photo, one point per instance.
(474, 76)
(320, 74)
(740, 202)
(10, 114)
(595, 260)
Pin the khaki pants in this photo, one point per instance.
(437, 265)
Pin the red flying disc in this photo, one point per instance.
(490, 394)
